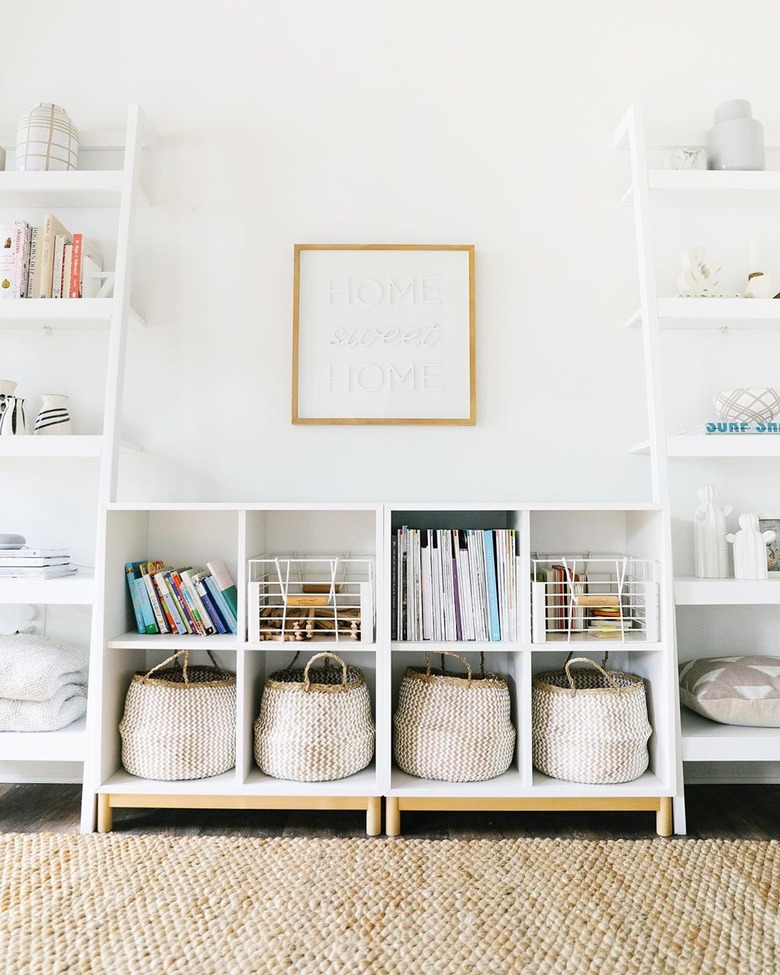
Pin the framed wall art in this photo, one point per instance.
(384, 333)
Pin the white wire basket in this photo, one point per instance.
(585, 597)
(299, 598)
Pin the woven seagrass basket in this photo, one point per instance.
(453, 728)
(180, 722)
(314, 725)
(589, 725)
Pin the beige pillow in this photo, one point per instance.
(733, 690)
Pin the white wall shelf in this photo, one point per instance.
(684, 188)
(74, 590)
(713, 313)
(61, 313)
(65, 745)
(63, 190)
(34, 460)
(701, 740)
(717, 445)
(689, 591)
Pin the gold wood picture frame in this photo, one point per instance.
(384, 333)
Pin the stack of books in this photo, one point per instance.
(198, 601)
(35, 563)
(48, 262)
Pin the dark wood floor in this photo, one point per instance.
(716, 811)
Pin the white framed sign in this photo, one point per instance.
(384, 333)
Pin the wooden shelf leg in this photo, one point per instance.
(393, 817)
(374, 816)
(104, 814)
(663, 818)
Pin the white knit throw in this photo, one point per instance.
(34, 667)
(68, 704)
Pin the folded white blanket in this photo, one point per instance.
(34, 667)
(68, 704)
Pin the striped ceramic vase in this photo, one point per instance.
(46, 139)
(53, 417)
(14, 420)
(7, 390)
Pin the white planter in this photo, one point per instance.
(46, 140)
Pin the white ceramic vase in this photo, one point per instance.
(13, 422)
(7, 389)
(53, 417)
(46, 139)
(710, 550)
(750, 544)
(736, 140)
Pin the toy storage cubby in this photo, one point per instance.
(194, 534)
(637, 529)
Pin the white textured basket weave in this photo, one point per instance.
(180, 723)
(314, 725)
(589, 726)
(451, 728)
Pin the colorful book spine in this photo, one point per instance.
(131, 568)
(224, 580)
(210, 604)
(216, 594)
(34, 273)
(7, 261)
(74, 283)
(179, 601)
(187, 579)
(22, 239)
(149, 622)
(147, 570)
(171, 610)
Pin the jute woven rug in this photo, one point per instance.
(132, 905)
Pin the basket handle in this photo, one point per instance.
(587, 660)
(448, 653)
(307, 683)
(175, 657)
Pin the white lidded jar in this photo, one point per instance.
(46, 140)
(736, 140)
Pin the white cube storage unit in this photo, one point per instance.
(235, 533)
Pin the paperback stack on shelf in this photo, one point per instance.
(35, 563)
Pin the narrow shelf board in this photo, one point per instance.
(709, 741)
(508, 785)
(77, 445)
(226, 784)
(363, 783)
(50, 313)
(318, 642)
(713, 313)
(717, 445)
(457, 646)
(66, 745)
(76, 188)
(74, 590)
(690, 591)
(648, 784)
(701, 187)
(628, 641)
(168, 642)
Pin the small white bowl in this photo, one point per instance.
(757, 404)
(11, 541)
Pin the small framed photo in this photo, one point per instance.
(772, 548)
(384, 333)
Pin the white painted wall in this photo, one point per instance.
(426, 121)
